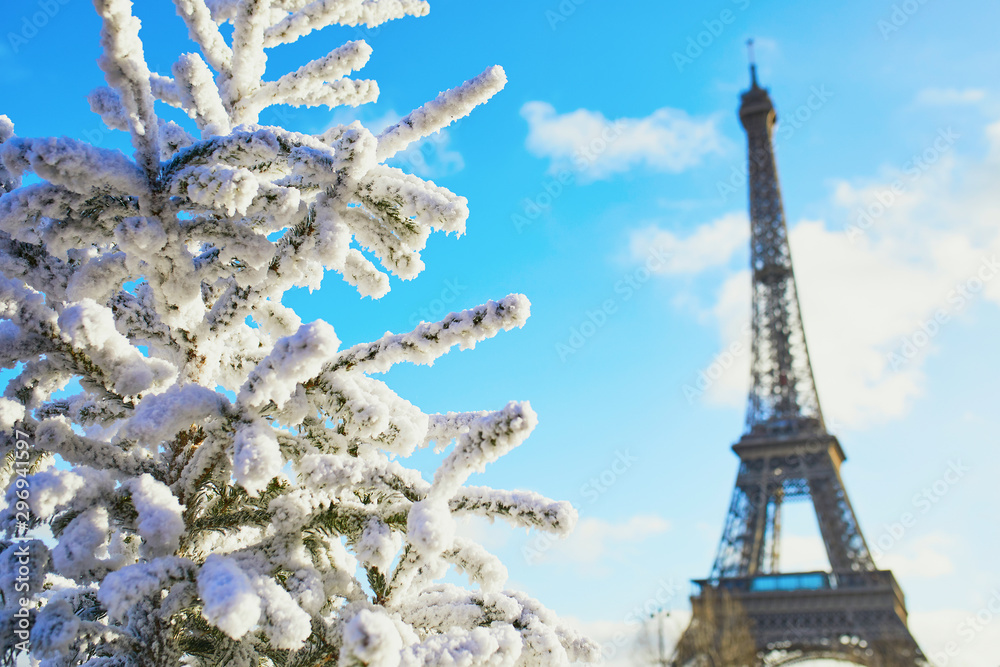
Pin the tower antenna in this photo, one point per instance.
(753, 64)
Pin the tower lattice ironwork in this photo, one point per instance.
(855, 611)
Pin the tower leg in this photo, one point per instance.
(845, 546)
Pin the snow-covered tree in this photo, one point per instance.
(230, 489)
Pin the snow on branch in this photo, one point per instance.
(522, 509)
(33, 265)
(249, 59)
(321, 13)
(443, 428)
(26, 308)
(125, 69)
(107, 104)
(497, 614)
(412, 199)
(480, 565)
(440, 112)
(291, 362)
(205, 32)
(159, 521)
(367, 410)
(361, 273)
(90, 329)
(121, 591)
(487, 439)
(57, 437)
(342, 92)
(159, 417)
(75, 165)
(222, 10)
(199, 95)
(429, 341)
(307, 83)
(430, 526)
(8, 181)
(165, 89)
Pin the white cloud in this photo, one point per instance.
(950, 96)
(916, 237)
(921, 558)
(953, 637)
(710, 245)
(732, 315)
(803, 553)
(595, 148)
(593, 540)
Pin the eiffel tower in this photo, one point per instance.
(854, 612)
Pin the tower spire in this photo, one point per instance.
(753, 64)
(783, 397)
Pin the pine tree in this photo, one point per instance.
(277, 527)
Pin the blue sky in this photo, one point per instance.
(617, 133)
